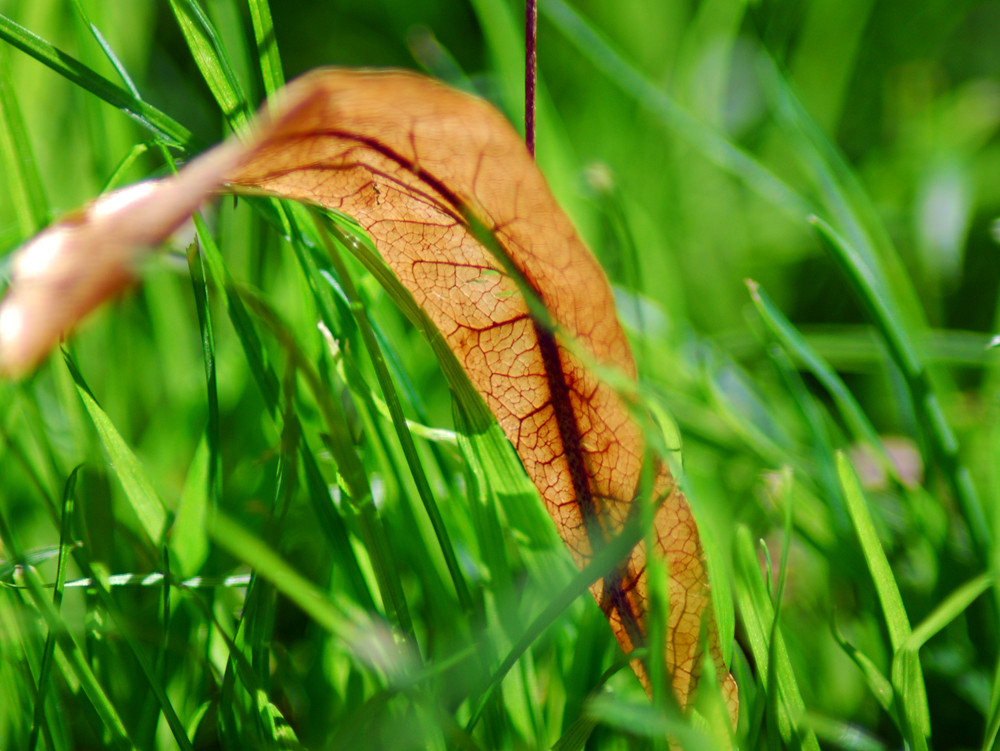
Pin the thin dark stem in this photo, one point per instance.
(530, 71)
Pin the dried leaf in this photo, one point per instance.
(425, 170)
(421, 167)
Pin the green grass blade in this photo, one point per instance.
(757, 613)
(576, 736)
(106, 48)
(188, 541)
(820, 524)
(73, 70)
(783, 493)
(138, 489)
(117, 178)
(398, 419)
(926, 402)
(488, 448)
(952, 607)
(266, 42)
(152, 679)
(334, 526)
(207, 50)
(341, 443)
(795, 344)
(993, 718)
(845, 735)
(598, 566)
(19, 165)
(371, 645)
(196, 267)
(77, 661)
(907, 677)
(45, 670)
(352, 471)
(717, 557)
(646, 721)
(896, 619)
(262, 371)
(256, 354)
(879, 685)
(505, 42)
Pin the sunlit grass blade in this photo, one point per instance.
(258, 359)
(34, 558)
(38, 720)
(506, 45)
(833, 517)
(208, 53)
(334, 527)
(576, 736)
(398, 419)
(907, 678)
(118, 176)
(75, 71)
(266, 41)
(19, 165)
(356, 482)
(879, 685)
(196, 267)
(269, 722)
(906, 661)
(926, 401)
(783, 492)
(744, 409)
(261, 369)
(141, 494)
(951, 608)
(993, 718)
(106, 48)
(766, 642)
(188, 540)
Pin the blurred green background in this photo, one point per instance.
(690, 142)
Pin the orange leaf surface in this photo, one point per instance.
(424, 169)
(420, 166)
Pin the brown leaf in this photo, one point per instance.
(419, 166)
(423, 169)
